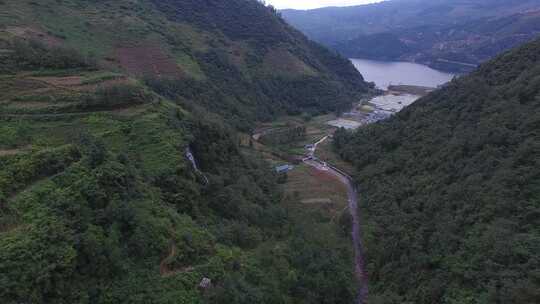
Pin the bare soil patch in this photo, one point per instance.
(10, 88)
(148, 61)
(67, 81)
(317, 201)
(164, 268)
(105, 83)
(34, 34)
(8, 152)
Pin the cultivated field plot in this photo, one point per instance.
(148, 61)
(34, 93)
(318, 190)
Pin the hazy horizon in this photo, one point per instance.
(312, 4)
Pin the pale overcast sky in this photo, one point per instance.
(309, 4)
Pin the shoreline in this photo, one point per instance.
(409, 89)
(377, 107)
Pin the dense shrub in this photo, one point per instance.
(19, 170)
(13, 136)
(115, 96)
(107, 228)
(35, 55)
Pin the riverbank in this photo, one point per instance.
(411, 89)
(380, 107)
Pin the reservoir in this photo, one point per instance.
(385, 73)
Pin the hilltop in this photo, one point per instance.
(450, 189)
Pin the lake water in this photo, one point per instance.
(385, 73)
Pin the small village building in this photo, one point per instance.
(205, 284)
(284, 168)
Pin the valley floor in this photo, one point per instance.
(319, 180)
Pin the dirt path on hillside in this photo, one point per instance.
(8, 152)
(164, 269)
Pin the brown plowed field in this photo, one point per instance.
(148, 61)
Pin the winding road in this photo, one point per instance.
(360, 270)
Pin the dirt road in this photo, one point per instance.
(352, 193)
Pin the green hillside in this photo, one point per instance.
(239, 59)
(450, 190)
(100, 101)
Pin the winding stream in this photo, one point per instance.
(191, 158)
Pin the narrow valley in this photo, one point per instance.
(210, 152)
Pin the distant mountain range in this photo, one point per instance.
(453, 35)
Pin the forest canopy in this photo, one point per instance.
(450, 189)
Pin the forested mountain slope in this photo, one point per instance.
(450, 189)
(100, 103)
(248, 63)
(445, 34)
